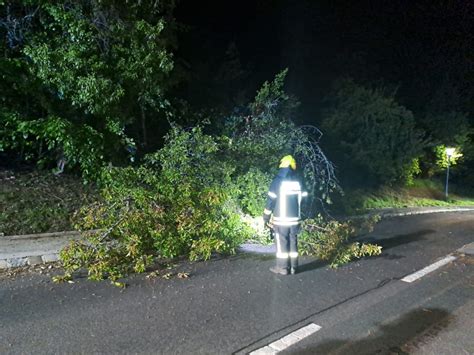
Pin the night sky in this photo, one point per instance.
(411, 45)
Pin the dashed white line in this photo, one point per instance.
(287, 340)
(298, 335)
(428, 269)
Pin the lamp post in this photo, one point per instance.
(449, 154)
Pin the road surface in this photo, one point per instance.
(236, 306)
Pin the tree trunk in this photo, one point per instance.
(144, 135)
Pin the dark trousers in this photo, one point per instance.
(286, 239)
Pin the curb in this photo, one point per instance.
(31, 249)
(395, 213)
(409, 211)
(257, 248)
(28, 260)
(467, 249)
(43, 235)
(388, 213)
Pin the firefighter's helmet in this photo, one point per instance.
(288, 161)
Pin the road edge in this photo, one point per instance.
(52, 255)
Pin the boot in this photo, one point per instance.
(294, 266)
(279, 270)
(281, 267)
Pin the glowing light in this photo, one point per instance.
(450, 152)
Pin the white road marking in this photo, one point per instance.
(298, 335)
(287, 340)
(428, 269)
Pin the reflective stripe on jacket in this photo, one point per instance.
(284, 199)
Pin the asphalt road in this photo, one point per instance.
(235, 305)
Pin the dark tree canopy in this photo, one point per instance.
(115, 73)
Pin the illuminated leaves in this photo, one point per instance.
(330, 240)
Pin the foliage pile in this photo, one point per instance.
(189, 198)
(331, 240)
(181, 202)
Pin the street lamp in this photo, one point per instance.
(449, 154)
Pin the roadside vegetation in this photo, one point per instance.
(36, 201)
(91, 93)
(422, 193)
(202, 193)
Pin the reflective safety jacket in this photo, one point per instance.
(284, 199)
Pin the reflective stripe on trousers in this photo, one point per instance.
(287, 244)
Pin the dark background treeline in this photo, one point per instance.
(418, 54)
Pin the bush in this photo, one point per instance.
(373, 134)
(330, 240)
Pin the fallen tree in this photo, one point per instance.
(191, 197)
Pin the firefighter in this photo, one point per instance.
(284, 202)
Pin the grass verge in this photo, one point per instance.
(39, 202)
(423, 193)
